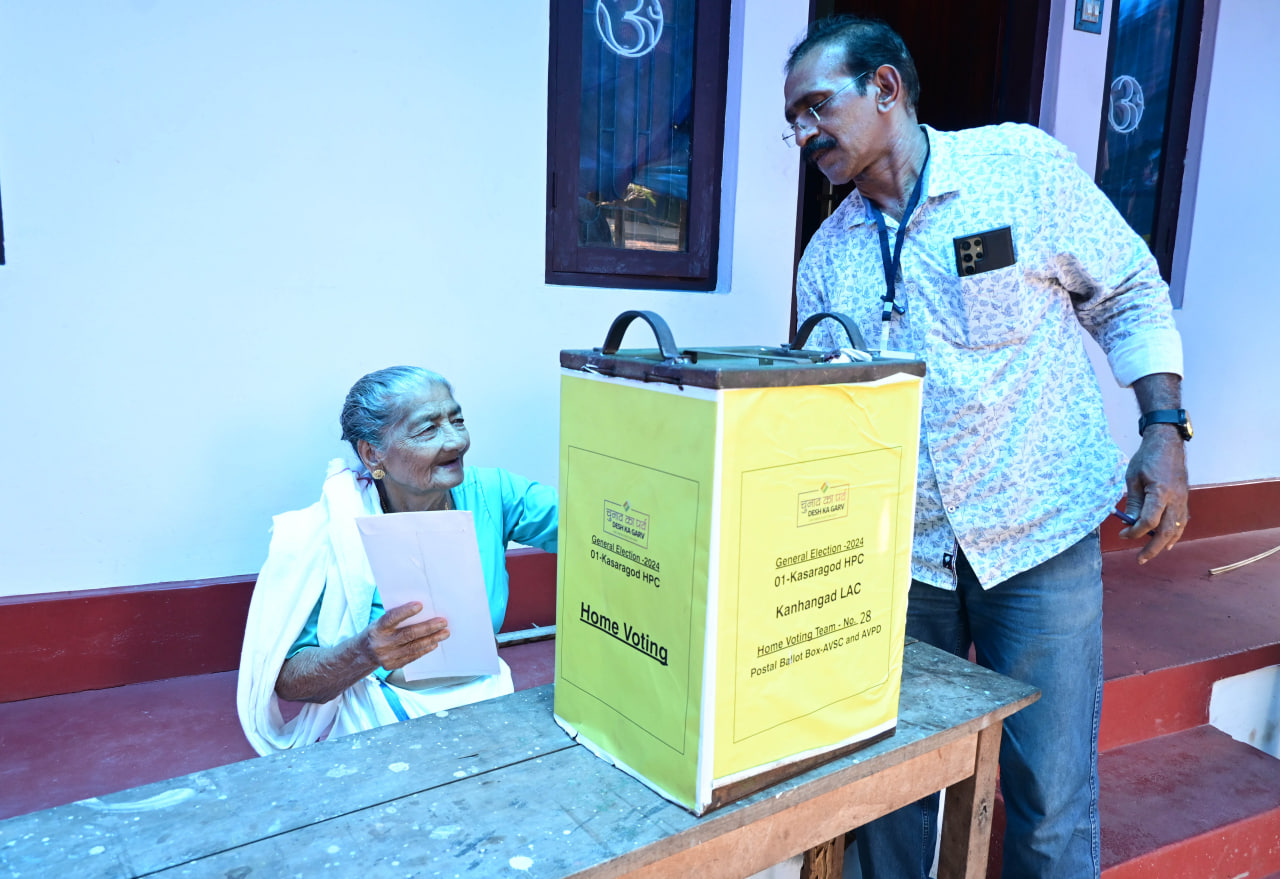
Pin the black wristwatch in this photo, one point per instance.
(1176, 417)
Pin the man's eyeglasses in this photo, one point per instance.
(789, 137)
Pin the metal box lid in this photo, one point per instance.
(735, 367)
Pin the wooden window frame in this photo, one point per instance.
(570, 263)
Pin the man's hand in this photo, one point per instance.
(390, 645)
(1157, 484)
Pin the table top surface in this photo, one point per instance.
(485, 789)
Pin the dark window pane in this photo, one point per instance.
(1132, 158)
(633, 177)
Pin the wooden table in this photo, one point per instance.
(498, 789)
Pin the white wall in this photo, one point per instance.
(219, 215)
(1247, 708)
(1231, 304)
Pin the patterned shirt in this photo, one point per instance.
(1016, 460)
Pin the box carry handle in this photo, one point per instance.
(666, 342)
(855, 335)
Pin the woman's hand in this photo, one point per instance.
(390, 645)
(321, 674)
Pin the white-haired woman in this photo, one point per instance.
(317, 631)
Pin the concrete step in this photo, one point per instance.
(1171, 630)
(1194, 804)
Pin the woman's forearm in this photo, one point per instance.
(321, 674)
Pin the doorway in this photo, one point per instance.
(980, 63)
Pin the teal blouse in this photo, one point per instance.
(505, 507)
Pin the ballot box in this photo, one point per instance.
(734, 556)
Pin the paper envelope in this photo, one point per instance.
(432, 557)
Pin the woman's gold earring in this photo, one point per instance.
(379, 473)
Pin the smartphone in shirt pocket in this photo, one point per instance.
(996, 309)
(984, 251)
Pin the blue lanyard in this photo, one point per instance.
(893, 264)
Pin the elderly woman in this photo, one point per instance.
(317, 631)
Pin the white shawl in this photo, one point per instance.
(317, 552)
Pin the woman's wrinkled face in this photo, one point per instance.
(422, 453)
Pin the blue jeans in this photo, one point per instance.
(1044, 627)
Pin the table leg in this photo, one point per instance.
(966, 822)
(824, 861)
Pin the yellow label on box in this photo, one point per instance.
(636, 469)
(629, 642)
(810, 607)
(815, 563)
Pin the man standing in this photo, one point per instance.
(985, 252)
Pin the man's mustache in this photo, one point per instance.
(810, 150)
